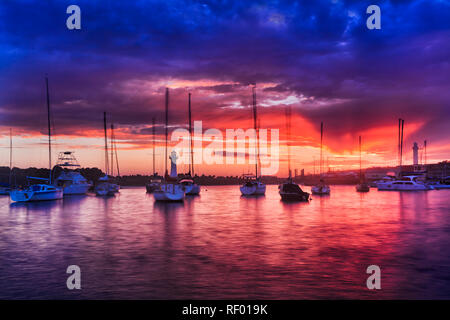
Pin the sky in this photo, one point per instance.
(316, 57)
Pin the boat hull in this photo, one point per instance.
(441, 186)
(193, 190)
(151, 187)
(169, 193)
(105, 189)
(27, 196)
(4, 191)
(402, 187)
(320, 190)
(362, 187)
(292, 197)
(255, 190)
(76, 189)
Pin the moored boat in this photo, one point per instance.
(40, 192)
(407, 183)
(321, 188)
(253, 185)
(72, 182)
(170, 189)
(190, 187)
(104, 186)
(290, 191)
(37, 192)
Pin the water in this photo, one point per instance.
(220, 245)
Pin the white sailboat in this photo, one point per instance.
(104, 187)
(170, 189)
(72, 182)
(40, 192)
(190, 187)
(253, 185)
(321, 188)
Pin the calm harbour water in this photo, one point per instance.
(220, 246)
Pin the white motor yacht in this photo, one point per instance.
(71, 181)
(407, 183)
(36, 192)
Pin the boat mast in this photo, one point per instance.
(321, 141)
(360, 163)
(153, 134)
(49, 134)
(115, 151)
(191, 158)
(256, 131)
(288, 129)
(401, 144)
(10, 157)
(106, 145)
(112, 150)
(166, 131)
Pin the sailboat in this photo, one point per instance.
(44, 191)
(155, 180)
(289, 190)
(6, 188)
(252, 185)
(71, 180)
(170, 189)
(321, 188)
(190, 187)
(105, 187)
(362, 186)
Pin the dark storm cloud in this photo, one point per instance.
(354, 78)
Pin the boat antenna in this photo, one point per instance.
(256, 131)
(49, 133)
(191, 159)
(166, 131)
(288, 130)
(153, 135)
(106, 144)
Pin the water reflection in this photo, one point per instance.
(222, 245)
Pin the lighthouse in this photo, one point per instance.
(415, 154)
